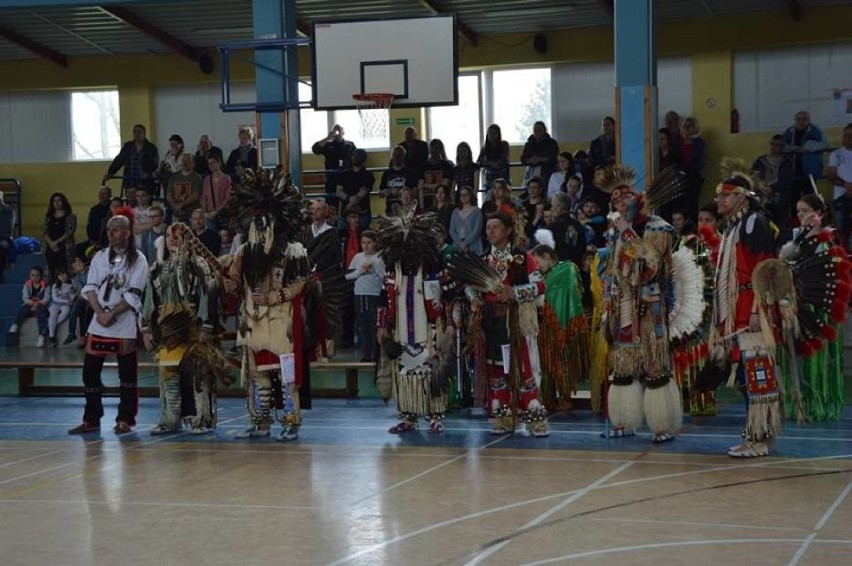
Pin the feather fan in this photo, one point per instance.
(687, 293)
(470, 270)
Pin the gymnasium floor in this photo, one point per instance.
(349, 493)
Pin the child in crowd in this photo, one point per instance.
(62, 296)
(81, 313)
(35, 298)
(368, 272)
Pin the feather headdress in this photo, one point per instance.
(736, 177)
(613, 177)
(666, 187)
(411, 242)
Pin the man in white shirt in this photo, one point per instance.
(117, 276)
(839, 170)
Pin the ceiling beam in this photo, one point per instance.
(131, 19)
(608, 7)
(436, 7)
(794, 8)
(35, 47)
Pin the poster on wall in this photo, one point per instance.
(842, 106)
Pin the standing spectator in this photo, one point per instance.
(354, 186)
(80, 314)
(148, 238)
(140, 160)
(439, 173)
(694, 154)
(215, 192)
(443, 207)
(466, 223)
(60, 223)
(602, 148)
(62, 295)
(117, 277)
(540, 154)
(350, 236)
(184, 192)
(416, 152)
(142, 214)
(806, 143)
(775, 168)
(533, 202)
(203, 152)
(242, 157)
(171, 163)
(338, 153)
(673, 125)
(210, 238)
(96, 224)
(35, 296)
(8, 221)
(368, 272)
(568, 234)
(397, 176)
(466, 170)
(839, 170)
(669, 152)
(494, 157)
(565, 168)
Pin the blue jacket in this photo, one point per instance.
(813, 143)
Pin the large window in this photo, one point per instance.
(95, 126)
(520, 97)
(314, 123)
(463, 122)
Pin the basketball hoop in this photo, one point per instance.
(374, 113)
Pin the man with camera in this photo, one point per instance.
(338, 158)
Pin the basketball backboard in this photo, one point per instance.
(415, 59)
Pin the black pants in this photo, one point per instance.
(128, 404)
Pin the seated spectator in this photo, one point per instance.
(210, 238)
(60, 224)
(443, 207)
(354, 186)
(203, 152)
(565, 169)
(184, 192)
(466, 223)
(215, 192)
(62, 295)
(589, 215)
(140, 160)
(96, 236)
(171, 161)
(81, 313)
(602, 148)
(397, 176)
(8, 220)
(568, 234)
(540, 155)
(775, 169)
(338, 153)
(438, 172)
(409, 207)
(242, 157)
(416, 151)
(148, 238)
(35, 296)
(573, 187)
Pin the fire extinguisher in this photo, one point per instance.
(735, 121)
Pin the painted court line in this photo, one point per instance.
(698, 524)
(125, 503)
(820, 524)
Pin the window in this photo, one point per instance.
(364, 134)
(95, 125)
(463, 122)
(314, 123)
(521, 97)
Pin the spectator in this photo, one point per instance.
(669, 153)
(60, 223)
(184, 192)
(140, 160)
(409, 207)
(806, 143)
(443, 207)
(533, 203)
(438, 172)
(839, 170)
(583, 166)
(215, 192)
(227, 240)
(338, 153)
(142, 214)
(147, 241)
(397, 176)
(775, 169)
(368, 272)
(494, 157)
(466, 223)
(709, 214)
(114, 204)
(673, 125)
(589, 215)
(602, 148)
(694, 161)
(96, 237)
(350, 236)
(320, 215)
(568, 234)
(62, 295)
(242, 157)
(35, 296)
(171, 163)
(548, 216)
(416, 152)
(466, 170)
(354, 186)
(210, 238)
(540, 154)
(501, 195)
(573, 187)
(679, 221)
(203, 152)
(565, 168)
(8, 221)
(81, 313)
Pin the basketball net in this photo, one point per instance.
(373, 113)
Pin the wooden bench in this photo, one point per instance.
(73, 359)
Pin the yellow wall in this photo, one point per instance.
(710, 41)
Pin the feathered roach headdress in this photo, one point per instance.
(410, 242)
(737, 178)
(266, 207)
(616, 180)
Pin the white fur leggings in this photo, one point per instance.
(56, 316)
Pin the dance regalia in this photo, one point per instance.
(563, 340)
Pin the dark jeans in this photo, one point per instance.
(40, 314)
(80, 311)
(128, 404)
(365, 308)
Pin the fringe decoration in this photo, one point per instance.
(564, 354)
(625, 405)
(764, 417)
(664, 408)
(527, 319)
(599, 357)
